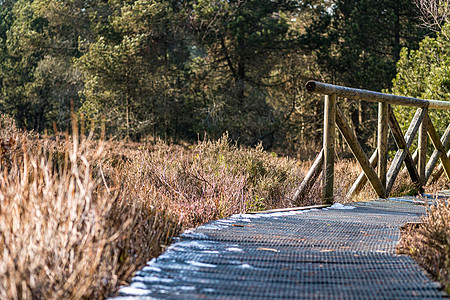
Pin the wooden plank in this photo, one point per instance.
(309, 179)
(401, 153)
(329, 134)
(362, 178)
(422, 148)
(382, 142)
(438, 146)
(436, 155)
(359, 153)
(401, 144)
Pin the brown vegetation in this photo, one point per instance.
(63, 234)
(79, 216)
(429, 243)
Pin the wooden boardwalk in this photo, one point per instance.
(341, 252)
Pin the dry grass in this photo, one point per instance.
(78, 216)
(429, 243)
(63, 235)
(214, 179)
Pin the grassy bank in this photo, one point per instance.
(429, 243)
(64, 232)
(79, 216)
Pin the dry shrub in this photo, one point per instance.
(346, 173)
(429, 243)
(212, 179)
(79, 216)
(62, 234)
(437, 184)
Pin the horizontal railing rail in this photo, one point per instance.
(358, 94)
(382, 179)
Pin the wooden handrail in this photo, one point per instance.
(382, 180)
(358, 94)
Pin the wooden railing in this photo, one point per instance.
(382, 179)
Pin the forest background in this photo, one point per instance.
(183, 70)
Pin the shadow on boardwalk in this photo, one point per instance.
(342, 252)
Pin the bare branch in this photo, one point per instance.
(434, 13)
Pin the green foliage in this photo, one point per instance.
(357, 44)
(245, 42)
(175, 69)
(39, 80)
(137, 74)
(425, 73)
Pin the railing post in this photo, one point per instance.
(382, 181)
(382, 142)
(329, 133)
(422, 148)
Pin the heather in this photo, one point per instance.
(78, 215)
(428, 242)
(64, 232)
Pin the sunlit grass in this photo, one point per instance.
(78, 216)
(429, 242)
